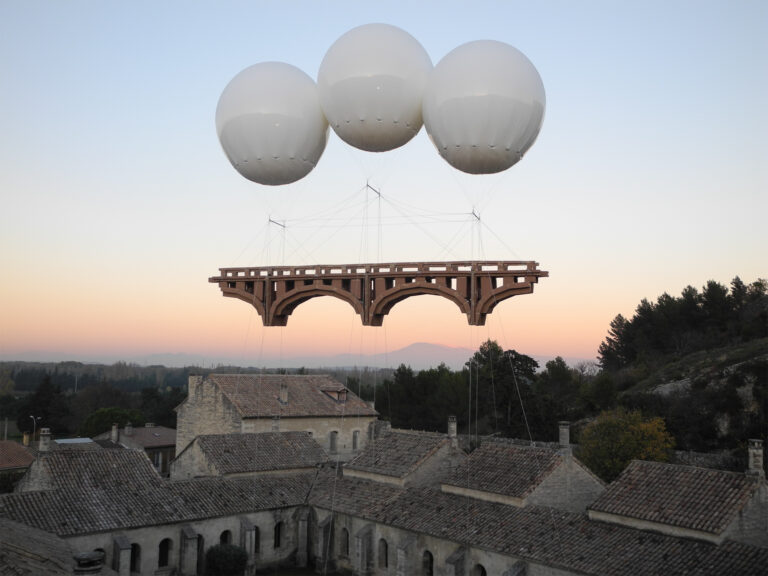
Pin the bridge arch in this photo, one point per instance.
(284, 307)
(384, 305)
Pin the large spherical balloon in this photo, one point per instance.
(371, 82)
(483, 106)
(270, 123)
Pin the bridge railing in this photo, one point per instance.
(505, 267)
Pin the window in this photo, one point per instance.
(478, 570)
(226, 537)
(278, 534)
(166, 545)
(334, 440)
(135, 558)
(344, 542)
(256, 539)
(427, 563)
(356, 440)
(383, 553)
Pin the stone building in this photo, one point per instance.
(410, 522)
(235, 403)
(506, 472)
(406, 458)
(230, 455)
(700, 503)
(158, 442)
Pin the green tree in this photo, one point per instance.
(225, 560)
(616, 437)
(102, 419)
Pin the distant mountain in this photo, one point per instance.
(419, 356)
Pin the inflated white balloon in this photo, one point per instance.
(371, 83)
(483, 106)
(270, 123)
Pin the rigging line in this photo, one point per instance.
(527, 425)
(504, 244)
(430, 236)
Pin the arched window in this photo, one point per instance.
(334, 441)
(164, 553)
(427, 563)
(278, 534)
(344, 542)
(478, 570)
(256, 539)
(356, 440)
(383, 553)
(226, 537)
(135, 558)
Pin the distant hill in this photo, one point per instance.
(419, 356)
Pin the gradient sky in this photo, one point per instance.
(118, 203)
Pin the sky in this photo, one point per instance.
(118, 203)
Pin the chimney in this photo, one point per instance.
(129, 429)
(45, 440)
(275, 423)
(25, 439)
(564, 437)
(452, 431)
(283, 393)
(755, 450)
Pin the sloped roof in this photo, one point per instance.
(238, 453)
(538, 534)
(84, 470)
(14, 455)
(258, 396)
(27, 551)
(144, 437)
(505, 468)
(71, 512)
(696, 498)
(397, 453)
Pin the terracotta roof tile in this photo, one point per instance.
(555, 538)
(236, 453)
(506, 468)
(258, 396)
(696, 498)
(397, 453)
(143, 437)
(14, 455)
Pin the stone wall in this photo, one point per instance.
(405, 552)
(205, 411)
(751, 524)
(190, 541)
(569, 487)
(321, 428)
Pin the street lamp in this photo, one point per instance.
(34, 424)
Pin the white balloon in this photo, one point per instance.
(483, 106)
(270, 124)
(371, 82)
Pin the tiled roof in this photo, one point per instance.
(505, 468)
(144, 437)
(84, 470)
(14, 455)
(26, 551)
(258, 396)
(696, 498)
(536, 534)
(397, 453)
(236, 453)
(69, 512)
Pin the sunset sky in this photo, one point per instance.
(650, 173)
